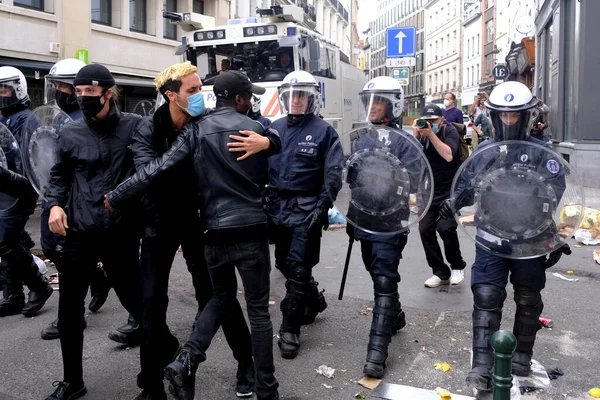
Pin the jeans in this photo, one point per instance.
(159, 344)
(447, 231)
(118, 249)
(252, 260)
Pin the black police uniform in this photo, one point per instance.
(296, 195)
(229, 197)
(93, 158)
(381, 255)
(18, 266)
(490, 275)
(171, 220)
(443, 173)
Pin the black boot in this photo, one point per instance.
(315, 303)
(129, 334)
(181, 375)
(51, 331)
(67, 391)
(13, 299)
(380, 336)
(37, 299)
(99, 289)
(487, 314)
(527, 323)
(292, 308)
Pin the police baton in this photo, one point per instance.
(346, 264)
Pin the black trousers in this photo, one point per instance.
(158, 251)
(252, 260)
(118, 249)
(446, 228)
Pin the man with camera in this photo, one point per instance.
(540, 124)
(478, 107)
(441, 145)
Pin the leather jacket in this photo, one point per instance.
(228, 191)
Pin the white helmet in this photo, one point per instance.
(13, 87)
(62, 75)
(299, 85)
(383, 101)
(512, 110)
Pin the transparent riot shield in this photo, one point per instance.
(40, 144)
(382, 183)
(10, 158)
(509, 197)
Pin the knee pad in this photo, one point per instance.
(299, 273)
(488, 297)
(384, 285)
(528, 298)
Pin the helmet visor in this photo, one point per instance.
(300, 99)
(8, 92)
(380, 107)
(59, 92)
(512, 125)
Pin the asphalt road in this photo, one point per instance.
(438, 330)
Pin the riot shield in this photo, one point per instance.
(40, 143)
(509, 197)
(10, 158)
(383, 183)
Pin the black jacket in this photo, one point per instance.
(228, 191)
(174, 200)
(93, 158)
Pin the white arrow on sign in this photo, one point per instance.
(400, 36)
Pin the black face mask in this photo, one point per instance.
(66, 102)
(90, 105)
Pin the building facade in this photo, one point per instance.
(566, 75)
(443, 32)
(471, 53)
(400, 13)
(130, 37)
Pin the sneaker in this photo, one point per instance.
(67, 391)
(457, 276)
(245, 380)
(435, 281)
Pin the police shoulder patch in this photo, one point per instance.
(553, 166)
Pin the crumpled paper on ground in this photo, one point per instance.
(325, 371)
(585, 236)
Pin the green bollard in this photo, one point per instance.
(504, 344)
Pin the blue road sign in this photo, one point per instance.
(401, 41)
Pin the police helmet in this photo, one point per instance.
(296, 87)
(13, 87)
(512, 110)
(379, 92)
(59, 83)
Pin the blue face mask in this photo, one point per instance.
(435, 128)
(195, 104)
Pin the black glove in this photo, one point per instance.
(555, 256)
(447, 209)
(319, 219)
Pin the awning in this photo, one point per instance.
(127, 80)
(29, 64)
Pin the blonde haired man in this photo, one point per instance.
(171, 220)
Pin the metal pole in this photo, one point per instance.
(504, 344)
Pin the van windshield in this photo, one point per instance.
(264, 61)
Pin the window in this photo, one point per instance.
(453, 77)
(472, 75)
(169, 30)
(478, 44)
(448, 48)
(198, 6)
(137, 15)
(489, 28)
(468, 46)
(35, 4)
(454, 42)
(477, 76)
(101, 11)
(489, 64)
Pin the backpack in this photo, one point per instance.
(463, 147)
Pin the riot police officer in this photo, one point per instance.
(512, 111)
(59, 90)
(255, 113)
(383, 102)
(18, 266)
(75, 195)
(298, 202)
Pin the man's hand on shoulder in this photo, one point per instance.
(250, 143)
